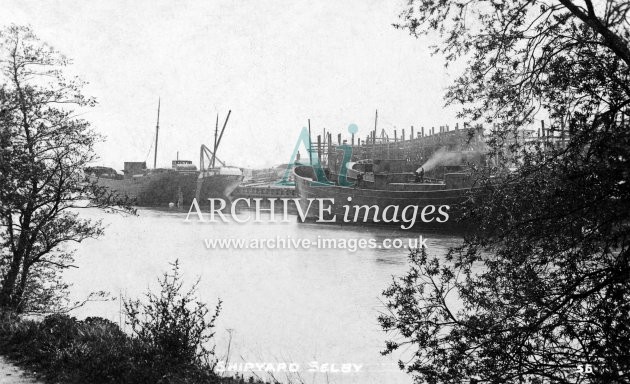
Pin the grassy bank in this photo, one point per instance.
(62, 349)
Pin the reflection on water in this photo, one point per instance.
(279, 305)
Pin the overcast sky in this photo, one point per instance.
(273, 63)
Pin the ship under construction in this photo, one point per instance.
(423, 170)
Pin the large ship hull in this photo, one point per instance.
(400, 195)
(162, 189)
(217, 186)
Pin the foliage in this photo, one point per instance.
(44, 147)
(167, 351)
(525, 55)
(64, 350)
(173, 322)
(540, 288)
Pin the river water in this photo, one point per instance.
(306, 307)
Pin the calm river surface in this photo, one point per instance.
(280, 305)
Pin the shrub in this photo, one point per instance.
(168, 345)
(174, 323)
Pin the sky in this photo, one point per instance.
(274, 64)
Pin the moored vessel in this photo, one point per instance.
(175, 186)
(404, 203)
(213, 181)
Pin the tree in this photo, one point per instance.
(43, 150)
(174, 322)
(539, 291)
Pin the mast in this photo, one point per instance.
(374, 135)
(216, 135)
(310, 144)
(218, 141)
(157, 133)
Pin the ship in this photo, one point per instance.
(213, 181)
(410, 201)
(429, 174)
(158, 187)
(175, 186)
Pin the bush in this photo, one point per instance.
(174, 323)
(69, 350)
(167, 346)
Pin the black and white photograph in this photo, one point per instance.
(315, 192)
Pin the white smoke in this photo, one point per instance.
(442, 157)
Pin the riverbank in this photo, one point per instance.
(62, 349)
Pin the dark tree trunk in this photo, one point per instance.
(17, 303)
(8, 284)
(8, 291)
